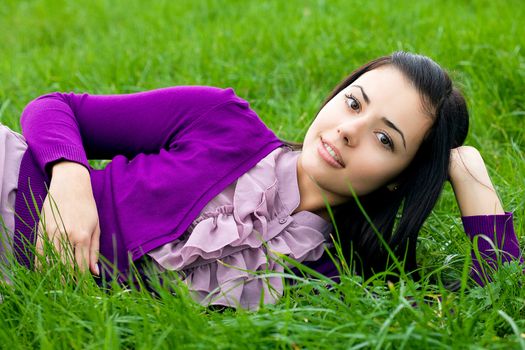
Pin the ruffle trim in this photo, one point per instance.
(228, 250)
(234, 274)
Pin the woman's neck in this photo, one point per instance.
(312, 196)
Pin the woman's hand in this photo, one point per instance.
(470, 180)
(69, 216)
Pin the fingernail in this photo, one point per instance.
(97, 270)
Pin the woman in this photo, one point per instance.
(199, 185)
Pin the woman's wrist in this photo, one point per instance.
(71, 175)
(69, 168)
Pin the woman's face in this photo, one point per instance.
(366, 135)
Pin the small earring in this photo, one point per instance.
(393, 188)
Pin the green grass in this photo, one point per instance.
(283, 57)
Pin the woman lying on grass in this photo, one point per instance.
(198, 184)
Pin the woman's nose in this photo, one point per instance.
(350, 131)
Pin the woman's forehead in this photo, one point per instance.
(386, 80)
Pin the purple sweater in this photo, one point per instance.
(172, 151)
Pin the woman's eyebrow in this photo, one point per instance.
(393, 126)
(365, 96)
(384, 119)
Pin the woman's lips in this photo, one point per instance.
(334, 159)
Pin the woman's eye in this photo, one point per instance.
(352, 103)
(385, 140)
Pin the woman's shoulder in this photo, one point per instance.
(210, 95)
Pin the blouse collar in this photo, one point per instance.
(288, 189)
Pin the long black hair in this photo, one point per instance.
(398, 215)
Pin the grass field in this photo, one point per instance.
(283, 57)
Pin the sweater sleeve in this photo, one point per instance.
(78, 127)
(496, 240)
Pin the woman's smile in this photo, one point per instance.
(330, 154)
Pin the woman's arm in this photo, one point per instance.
(65, 130)
(470, 180)
(78, 127)
(482, 211)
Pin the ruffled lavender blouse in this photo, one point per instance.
(227, 253)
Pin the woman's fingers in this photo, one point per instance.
(82, 256)
(74, 248)
(94, 250)
(39, 246)
(54, 237)
(39, 251)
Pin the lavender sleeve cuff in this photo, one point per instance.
(496, 240)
